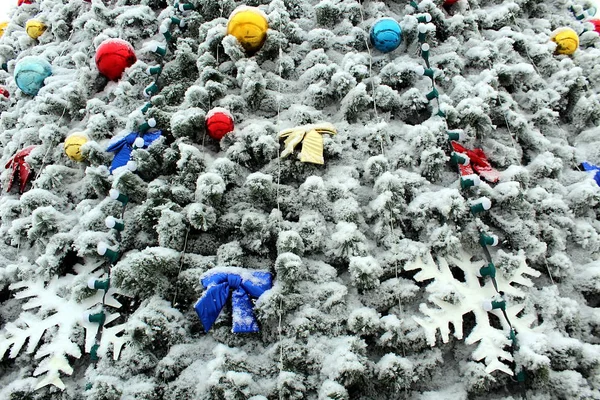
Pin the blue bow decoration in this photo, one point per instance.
(594, 169)
(124, 146)
(245, 285)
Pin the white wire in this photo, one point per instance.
(278, 127)
(392, 229)
(181, 264)
(48, 150)
(362, 17)
(279, 216)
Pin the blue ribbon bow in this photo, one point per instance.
(218, 284)
(594, 169)
(124, 146)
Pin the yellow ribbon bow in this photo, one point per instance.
(311, 138)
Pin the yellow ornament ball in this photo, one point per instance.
(73, 147)
(249, 26)
(35, 28)
(566, 39)
(3, 26)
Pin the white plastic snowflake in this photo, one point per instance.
(454, 299)
(61, 315)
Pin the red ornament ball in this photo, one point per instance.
(596, 23)
(4, 92)
(113, 56)
(21, 2)
(448, 3)
(219, 122)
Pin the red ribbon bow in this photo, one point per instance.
(20, 169)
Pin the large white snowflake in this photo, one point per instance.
(56, 310)
(454, 299)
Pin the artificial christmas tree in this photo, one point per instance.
(373, 244)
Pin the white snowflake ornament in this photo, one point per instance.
(454, 299)
(57, 311)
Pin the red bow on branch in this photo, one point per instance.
(20, 169)
(478, 162)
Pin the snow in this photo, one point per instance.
(218, 110)
(246, 275)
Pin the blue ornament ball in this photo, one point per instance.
(386, 35)
(30, 73)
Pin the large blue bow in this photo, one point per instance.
(124, 146)
(592, 168)
(217, 284)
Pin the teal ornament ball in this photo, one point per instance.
(386, 35)
(30, 73)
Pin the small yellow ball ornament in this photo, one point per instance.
(566, 39)
(3, 26)
(249, 26)
(35, 28)
(73, 147)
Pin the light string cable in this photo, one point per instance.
(148, 92)
(103, 309)
(452, 136)
(513, 332)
